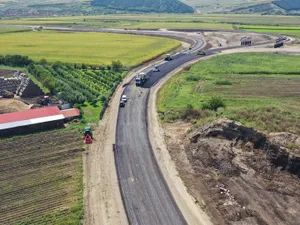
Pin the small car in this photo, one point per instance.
(155, 69)
(122, 103)
(124, 98)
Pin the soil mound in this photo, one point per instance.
(250, 176)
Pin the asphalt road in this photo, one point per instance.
(145, 193)
(146, 196)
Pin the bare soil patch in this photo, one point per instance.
(227, 39)
(242, 175)
(12, 105)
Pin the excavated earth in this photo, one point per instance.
(239, 175)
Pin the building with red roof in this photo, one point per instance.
(30, 120)
(70, 113)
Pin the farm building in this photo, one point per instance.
(32, 120)
(70, 114)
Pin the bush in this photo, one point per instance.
(192, 78)
(94, 102)
(214, 103)
(223, 82)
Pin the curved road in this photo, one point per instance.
(146, 196)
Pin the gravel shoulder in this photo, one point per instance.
(189, 207)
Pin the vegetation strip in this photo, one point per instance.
(260, 90)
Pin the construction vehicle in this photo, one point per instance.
(278, 44)
(168, 57)
(141, 79)
(88, 136)
(44, 101)
(200, 52)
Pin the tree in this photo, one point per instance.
(116, 66)
(83, 66)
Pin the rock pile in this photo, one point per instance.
(19, 84)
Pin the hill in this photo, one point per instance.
(285, 7)
(288, 5)
(165, 6)
(33, 8)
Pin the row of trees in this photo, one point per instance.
(15, 60)
(75, 83)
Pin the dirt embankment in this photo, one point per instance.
(244, 176)
(12, 105)
(227, 39)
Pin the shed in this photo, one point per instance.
(70, 113)
(30, 121)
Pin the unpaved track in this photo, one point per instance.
(103, 204)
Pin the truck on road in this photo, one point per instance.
(168, 57)
(141, 79)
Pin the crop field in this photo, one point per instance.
(12, 30)
(90, 48)
(199, 25)
(41, 179)
(292, 31)
(260, 90)
(142, 21)
(87, 86)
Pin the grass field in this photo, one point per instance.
(4, 30)
(138, 20)
(90, 48)
(259, 90)
(41, 179)
(284, 30)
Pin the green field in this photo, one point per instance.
(90, 48)
(4, 30)
(284, 30)
(134, 20)
(260, 90)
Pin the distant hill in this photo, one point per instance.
(288, 5)
(265, 7)
(161, 6)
